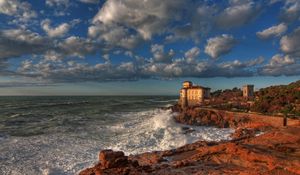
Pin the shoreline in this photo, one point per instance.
(259, 145)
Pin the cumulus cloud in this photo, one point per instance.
(114, 35)
(159, 54)
(78, 47)
(60, 6)
(125, 23)
(273, 31)
(280, 60)
(290, 10)
(53, 3)
(192, 54)
(145, 17)
(281, 65)
(290, 44)
(199, 69)
(21, 10)
(75, 72)
(238, 13)
(52, 55)
(219, 45)
(58, 31)
(18, 42)
(72, 71)
(120, 26)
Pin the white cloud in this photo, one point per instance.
(192, 54)
(106, 57)
(73, 71)
(238, 13)
(219, 45)
(52, 55)
(114, 35)
(291, 10)
(26, 65)
(21, 10)
(145, 17)
(159, 54)
(290, 44)
(179, 19)
(280, 60)
(60, 7)
(78, 47)
(281, 65)
(58, 31)
(272, 31)
(53, 3)
(18, 42)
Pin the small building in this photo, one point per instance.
(192, 95)
(248, 91)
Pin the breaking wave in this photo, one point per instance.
(157, 130)
(69, 142)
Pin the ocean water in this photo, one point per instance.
(63, 135)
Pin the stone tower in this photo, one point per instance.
(183, 93)
(248, 91)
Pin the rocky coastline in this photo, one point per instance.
(259, 145)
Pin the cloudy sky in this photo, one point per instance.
(118, 47)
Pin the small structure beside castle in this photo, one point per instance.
(192, 95)
(248, 91)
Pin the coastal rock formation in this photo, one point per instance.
(111, 159)
(260, 145)
(112, 162)
(208, 117)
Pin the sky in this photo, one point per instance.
(146, 47)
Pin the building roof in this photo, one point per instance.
(187, 82)
(197, 87)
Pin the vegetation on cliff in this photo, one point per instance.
(283, 99)
(278, 99)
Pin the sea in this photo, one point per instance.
(61, 135)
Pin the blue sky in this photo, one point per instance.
(134, 47)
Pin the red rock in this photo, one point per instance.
(112, 159)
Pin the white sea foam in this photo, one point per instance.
(157, 130)
(68, 153)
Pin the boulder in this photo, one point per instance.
(111, 159)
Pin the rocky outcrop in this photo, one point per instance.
(112, 162)
(260, 145)
(111, 159)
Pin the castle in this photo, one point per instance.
(192, 95)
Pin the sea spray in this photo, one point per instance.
(156, 130)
